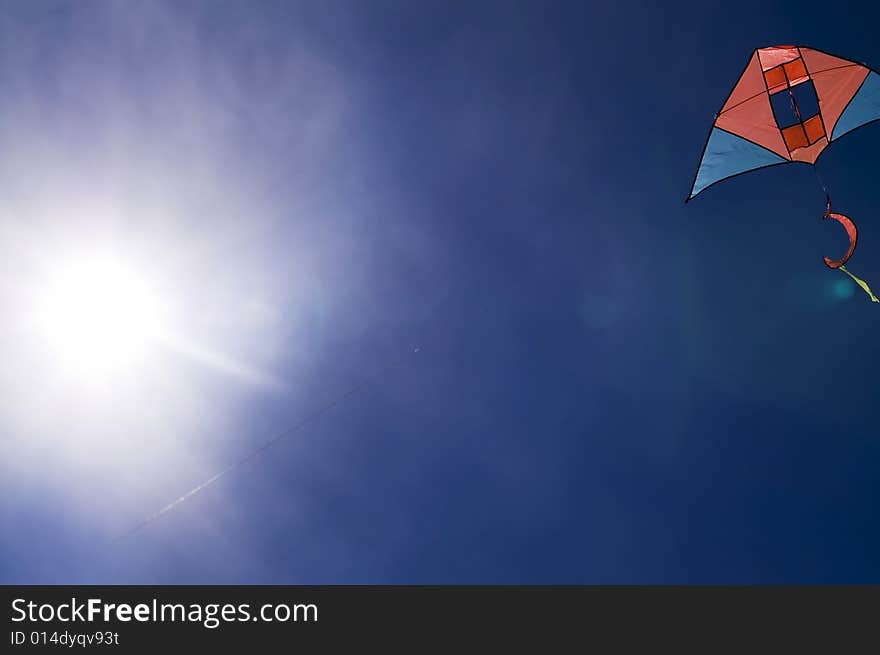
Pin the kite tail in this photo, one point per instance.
(851, 231)
(861, 283)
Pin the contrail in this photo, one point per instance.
(263, 447)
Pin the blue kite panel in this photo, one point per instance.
(727, 155)
(863, 108)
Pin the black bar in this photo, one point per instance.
(417, 618)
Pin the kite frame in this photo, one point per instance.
(713, 127)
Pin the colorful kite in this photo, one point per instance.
(789, 103)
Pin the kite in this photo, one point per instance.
(789, 104)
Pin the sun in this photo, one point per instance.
(97, 315)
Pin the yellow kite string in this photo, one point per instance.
(861, 283)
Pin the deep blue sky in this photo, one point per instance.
(612, 386)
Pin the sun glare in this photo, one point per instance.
(97, 315)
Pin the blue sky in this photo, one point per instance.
(611, 386)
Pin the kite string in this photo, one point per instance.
(824, 189)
